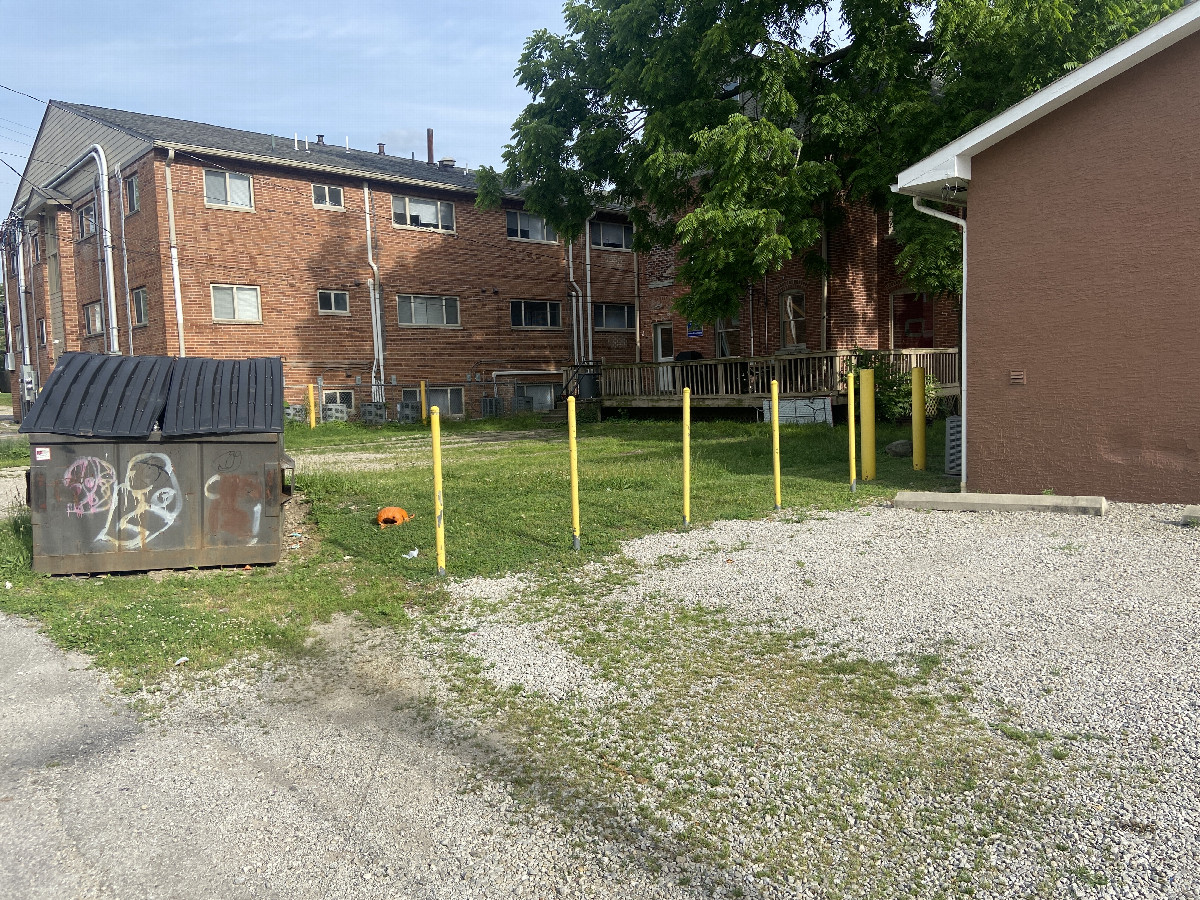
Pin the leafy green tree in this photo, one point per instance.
(727, 126)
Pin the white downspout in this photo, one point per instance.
(587, 253)
(375, 289)
(125, 260)
(962, 388)
(824, 282)
(110, 280)
(174, 254)
(4, 257)
(23, 305)
(575, 293)
(750, 303)
(637, 309)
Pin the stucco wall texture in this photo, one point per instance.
(1084, 274)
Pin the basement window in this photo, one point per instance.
(339, 398)
(448, 400)
(418, 212)
(327, 196)
(333, 303)
(228, 190)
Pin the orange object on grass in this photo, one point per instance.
(392, 515)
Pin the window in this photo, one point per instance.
(528, 227)
(341, 398)
(141, 306)
(41, 332)
(231, 189)
(535, 314)
(417, 212)
(791, 320)
(235, 303)
(93, 318)
(35, 245)
(448, 400)
(613, 315)
(85, 221)
(327, 197)
(333, 303)
(613, 235)
(133, 200)
(421, 309)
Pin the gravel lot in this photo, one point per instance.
(666, 730)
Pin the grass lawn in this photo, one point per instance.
(507, 509)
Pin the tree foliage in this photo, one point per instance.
(727, 125)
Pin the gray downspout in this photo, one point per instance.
(174, 254)
(962, 387)
(8, 342)
(587, 253)
(637, 309)
(125, 260)
(824, 282)
(23, 306)
(375, 289)
(576, 325)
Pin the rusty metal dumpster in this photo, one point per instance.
(153, 462)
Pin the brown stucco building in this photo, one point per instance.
(1083, 277)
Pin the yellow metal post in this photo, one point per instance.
(918, 417)
(687, 458)
(866, 390)
(775, 441)
(853, 448)
(424, 406)
(574, 472)
(312, 408)
(438, 506)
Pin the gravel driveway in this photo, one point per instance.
(363, 772)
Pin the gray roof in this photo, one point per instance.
(276, 149)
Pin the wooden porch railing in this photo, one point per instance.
(804, 374)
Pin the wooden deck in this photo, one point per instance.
(746, 381)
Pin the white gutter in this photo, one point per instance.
(96, 154)
(375, 289)
(174, 255)
(125, 259)
(575, 294)
(587, 252)
(23, 306)
(962, 387)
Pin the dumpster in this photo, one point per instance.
(151, 462)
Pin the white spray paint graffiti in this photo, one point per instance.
(91, 480)
(151, 493)
(212, 491)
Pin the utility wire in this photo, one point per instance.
(22, 93)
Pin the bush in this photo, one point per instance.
(893, 388)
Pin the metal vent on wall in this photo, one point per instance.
(1016, 376)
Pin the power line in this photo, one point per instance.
(22, 93)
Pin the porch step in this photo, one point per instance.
(557, 416)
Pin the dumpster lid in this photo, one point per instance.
(94, 395)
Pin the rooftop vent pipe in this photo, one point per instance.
(429, 144)
(320, 139)
(446, 162)
(381, 150)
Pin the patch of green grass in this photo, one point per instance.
(14, 451)
(298, 436)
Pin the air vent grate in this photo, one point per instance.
(1016, 376)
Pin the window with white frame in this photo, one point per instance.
(612, 235)
(93, 318)
(614, 316)
(536, 313)
(333, 303)
(418, 212)
(527, 227)
(41, 332)
(236, 303)
(426, 309)
(133, 198)
(326, 196)
(448, 400)
(85, 220)
(340, 398)
(791, 320)
(228, 189)
(140, 302)
(35, 245)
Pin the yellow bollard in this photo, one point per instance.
(438, 507)
(312, 408)
(574, 472)
(775, 441)
(687, 458)
(850, 410)
(866, 389)
(424, 407)
(918, 417)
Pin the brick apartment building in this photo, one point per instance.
(372, 273)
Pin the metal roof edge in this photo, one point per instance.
(954, 159)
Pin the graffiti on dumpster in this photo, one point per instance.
(150, 493)
(91, 481)
(233, 502)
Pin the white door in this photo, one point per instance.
(664, 351)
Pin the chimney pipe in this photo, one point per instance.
(320, 139)
(381, 149)
(429, 144)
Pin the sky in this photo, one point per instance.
(374, 71)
